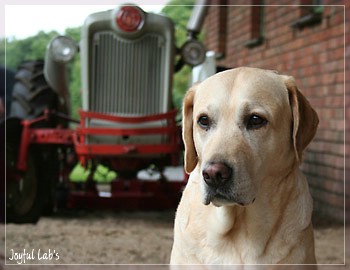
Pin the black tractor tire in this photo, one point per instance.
(30, 194)
(31, 94)
(25, 193)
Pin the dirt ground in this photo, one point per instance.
(82, 237)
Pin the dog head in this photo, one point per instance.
(243, 126)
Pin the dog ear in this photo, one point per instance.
(305, 119)
(187, 131)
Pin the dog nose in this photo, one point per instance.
(215, 174)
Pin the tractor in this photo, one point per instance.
(127, 121)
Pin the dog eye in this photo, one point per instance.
(255, 122)
(204, 122)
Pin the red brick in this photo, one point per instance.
(336, 187)
(329, 198)
(335, 43)
(327, 147)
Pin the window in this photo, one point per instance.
(310, 14)
(222, 28)
(257, 24)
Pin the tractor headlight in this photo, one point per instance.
(193, 52)
(63, 49)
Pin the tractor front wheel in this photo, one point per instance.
(24, 190)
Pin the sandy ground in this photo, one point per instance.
(82, 237)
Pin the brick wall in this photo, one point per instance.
(314, 55)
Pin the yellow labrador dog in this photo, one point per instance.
(246, 201)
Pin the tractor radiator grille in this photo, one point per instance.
(127, 76)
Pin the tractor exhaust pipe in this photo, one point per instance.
(196, 20)
(193, 51)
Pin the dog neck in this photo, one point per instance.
(269, 209)
(253, 225)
